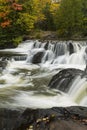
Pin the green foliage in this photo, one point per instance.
(84, 10)
(17, 40)
(49, 19)
(16, 19)
(25, 22)
(69, 17)
(47, 22)
(21, 17)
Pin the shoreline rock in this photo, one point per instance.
(70, 118)
(8, 118)
(64, 78)
(57, 118)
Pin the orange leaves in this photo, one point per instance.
(11, 4)
(5, 23)
(16, 6)
(7, 7)
(3, 14)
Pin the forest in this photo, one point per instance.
(19, 18)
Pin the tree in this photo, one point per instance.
(84, 10)
(47, 11)
(69, 18)
(16, 19)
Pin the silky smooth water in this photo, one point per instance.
(23, 84)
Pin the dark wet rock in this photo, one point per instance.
(79, 112)
(8, 118)
(69, 118)
(86, 50)
(34, 45)
(72, 118)
(46, 45)
(64, 78)
(37, 57)
(26, 38)
(84, 74)
(3, 62)
(70, 48)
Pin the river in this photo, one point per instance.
(26, 71)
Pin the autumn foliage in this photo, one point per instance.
(16, 6)
(8, 6)
(5, 23)
(20, 17)
(3, 14)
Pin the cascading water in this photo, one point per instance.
(29, 68)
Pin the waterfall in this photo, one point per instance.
(54, 52)
(78, 90)
(26, 71)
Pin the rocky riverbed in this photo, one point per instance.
(57, 118)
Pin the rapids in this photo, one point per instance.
(26, 71)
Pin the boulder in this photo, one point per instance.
(3, 62)
(37, 57)
(73, 118)
(57, 118)
(46, 45)
(64, 78)
(8, 118)
(70, 48)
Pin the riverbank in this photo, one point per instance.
(40, 35)
(51, 35)
(69, 118)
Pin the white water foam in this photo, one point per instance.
(23, 84)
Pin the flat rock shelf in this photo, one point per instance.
(56, 118)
